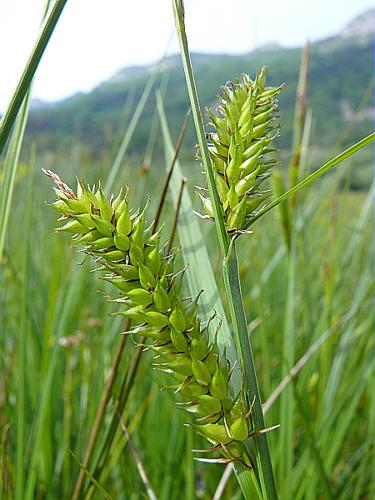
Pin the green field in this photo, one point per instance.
(309, 309)
(48, 303)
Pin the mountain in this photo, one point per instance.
(361, 29)
(339, 94)
(37, 104)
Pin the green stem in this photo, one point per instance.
(22, 349)
(29, 71)
(128, 135)
(197, 116)
(246, 359)
(230, 272)
(248, 481)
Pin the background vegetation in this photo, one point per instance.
(57, 340)
(339, 92)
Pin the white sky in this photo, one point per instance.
(96, 38)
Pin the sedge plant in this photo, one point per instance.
(238, 157)
(228, 202)
(150, 294)
(236, 163)
(150, 284)
(30, 453)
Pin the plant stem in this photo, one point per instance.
(197, 116)
(107, 393)
(230, 272)
(22, 350)
(176, 214)
(118, 161)
(246, 359)
(141, 469)
(170, 170)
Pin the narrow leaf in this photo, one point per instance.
(315, 175)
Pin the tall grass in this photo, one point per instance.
(58, 346)
(82, 367)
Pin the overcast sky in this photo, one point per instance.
(96, 38)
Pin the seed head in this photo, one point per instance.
(243, 130)
(149, 291)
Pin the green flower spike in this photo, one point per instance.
(240, 146)
(149, 288)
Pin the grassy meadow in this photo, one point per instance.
(58, 342)
(309, 308)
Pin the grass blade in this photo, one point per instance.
(318, 173)
(287, 406)
(10, 168)
(138, 461)
(299, 119)
(94, 481)
(21, 375)
(107, 392)
(24, 83)
(12, 158)
(128, 135)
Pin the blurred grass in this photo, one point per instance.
(333, 275)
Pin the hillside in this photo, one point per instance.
(339, 79)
